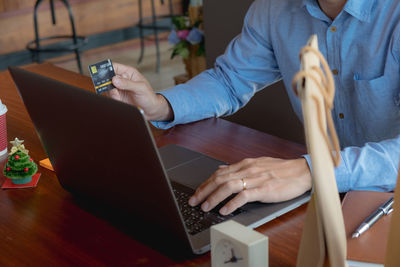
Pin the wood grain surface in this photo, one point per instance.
(46, 226)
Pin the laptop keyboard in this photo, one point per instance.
(195, 219)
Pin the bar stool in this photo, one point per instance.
(153, 26)
(77, 41)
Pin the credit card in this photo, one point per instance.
(102, 74)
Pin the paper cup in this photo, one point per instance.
(3, 129)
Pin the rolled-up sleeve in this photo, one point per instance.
(248, 65)
(371, 167)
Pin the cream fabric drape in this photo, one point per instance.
(323, 240)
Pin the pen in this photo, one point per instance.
(384, 209)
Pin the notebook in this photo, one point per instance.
(103, 150)
(369, 249)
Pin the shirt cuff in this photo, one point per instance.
(171, 98)
(342, 175)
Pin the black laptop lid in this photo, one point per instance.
(100, 149)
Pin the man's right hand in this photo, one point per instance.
(132, 88)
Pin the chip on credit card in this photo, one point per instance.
(102, 74)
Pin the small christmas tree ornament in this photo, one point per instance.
(19, 167)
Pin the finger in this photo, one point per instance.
(222, 193)
(245, 196)
(209, 186)
(244, 169)
(251, 185)
(119, 69)
(233, 167)
(267, 190)
(126, 84)
(131, 72)
(201, 192)
(114, 94)
(243, 184)
(223, 174)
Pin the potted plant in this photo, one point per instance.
(188, 39)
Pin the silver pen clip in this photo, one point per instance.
(389, 211)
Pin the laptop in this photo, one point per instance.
(103, 150)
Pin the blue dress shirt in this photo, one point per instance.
(361, 46)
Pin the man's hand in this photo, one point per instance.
(267, 180)
(134, 89)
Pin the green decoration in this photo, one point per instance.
(19, 167)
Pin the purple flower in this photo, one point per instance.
(173, 37)
(195, 36)
(182, 34)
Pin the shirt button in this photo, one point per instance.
(335, 72)
(333, 29)
(341, 115)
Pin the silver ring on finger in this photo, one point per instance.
(244, 184)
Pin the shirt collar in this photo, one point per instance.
(360, 9)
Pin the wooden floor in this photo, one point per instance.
(128, 53)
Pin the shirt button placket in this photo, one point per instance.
(331, 57)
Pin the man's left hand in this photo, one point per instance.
(262, 179)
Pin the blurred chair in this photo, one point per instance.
(153, 25)
(269, 110)
(71, 43)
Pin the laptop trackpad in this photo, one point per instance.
(193, 173)
(174, 155)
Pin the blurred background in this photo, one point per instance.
(111, 30)
(144, 34)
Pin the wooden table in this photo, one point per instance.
(44, 226)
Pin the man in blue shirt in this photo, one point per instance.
(359, 39)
